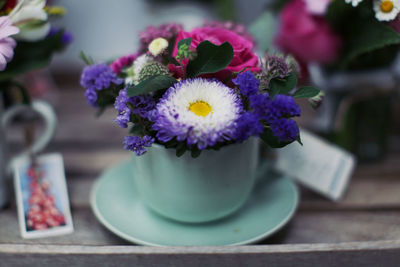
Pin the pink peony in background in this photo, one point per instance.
(317, 7)
(309, 38)
(243, 55)
(7, 44)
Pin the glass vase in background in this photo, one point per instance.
(356, 113)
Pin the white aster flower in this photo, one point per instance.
(199, 111)
(133, 72)
(386, 10)
(353, 2)
(157, 46)
(31, 18)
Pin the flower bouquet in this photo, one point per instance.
(28, 42)
(198, 91)
(351, 49)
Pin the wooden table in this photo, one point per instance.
(362, 230)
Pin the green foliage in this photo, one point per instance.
(152, 68)
(271, 140)
(263, 29)
(181, 149)
(2, 3)
(187, 42)
(152, 84)
(85, 58)
(184, 50)
(282, 86)
(210, 58)
(136, 129)
(29, 56)
(306, 92)
(361, 32)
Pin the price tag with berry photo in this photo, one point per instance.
(42, 198)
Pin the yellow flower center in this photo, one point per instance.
(200, 108)
(386, 6)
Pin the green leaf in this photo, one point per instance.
(181, 149)
(136, 129)
(187, 41)
(371, 35)
(2, 3)
(88, 60)
(361, 32)
(154, 83)
(270, 139)
(210, 58)
(32, 55)
(195, 152)
(306, 92)
(264, 30)
(283, 86)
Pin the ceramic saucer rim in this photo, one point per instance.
(129, 238)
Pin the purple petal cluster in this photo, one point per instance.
(275, 111)
(248, 125)
(66, 38)
(167, 31)
(277, 67)
(138, 144)
(285, 129)
(95, 78)
(142, 105)
(248, 83)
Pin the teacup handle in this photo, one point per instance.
(50, 119)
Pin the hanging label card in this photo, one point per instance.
(42, 198)
(318, 165)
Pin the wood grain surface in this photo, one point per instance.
(361, 230)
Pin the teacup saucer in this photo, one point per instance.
(117, 205)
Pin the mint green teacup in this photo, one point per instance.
(206, 188)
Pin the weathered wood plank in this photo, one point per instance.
(363, 194)
(306, 227)
(347, 254)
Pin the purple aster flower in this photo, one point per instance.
(247, 82)
(248, 125)
(137, 144)
(142, 105)
(95, 78)
(167, 31)
(285, 129)
(199, 112)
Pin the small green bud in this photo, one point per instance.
(152, 68)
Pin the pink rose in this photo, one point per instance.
(243, 55)
(308, 38)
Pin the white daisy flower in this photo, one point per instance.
(353, 2)
(386, 10)
(199, 111)
(132, 73)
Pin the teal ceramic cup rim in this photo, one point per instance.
(207, 188)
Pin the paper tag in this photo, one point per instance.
(42, 198)
(318, 165)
